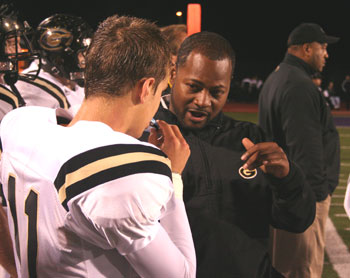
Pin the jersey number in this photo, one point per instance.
(31, 210)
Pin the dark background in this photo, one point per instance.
(257, 30)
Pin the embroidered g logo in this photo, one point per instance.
(247, 174)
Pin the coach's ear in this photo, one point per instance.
(172, 71)
(144, 89)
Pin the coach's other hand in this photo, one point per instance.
(268, 156)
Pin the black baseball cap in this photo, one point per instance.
(309, 32)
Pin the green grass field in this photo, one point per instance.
(337, 212)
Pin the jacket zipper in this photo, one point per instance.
(206, 166)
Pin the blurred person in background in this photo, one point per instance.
(295, 115)
(317, 80)
(345, 86)
(174, 35)
(333, 96)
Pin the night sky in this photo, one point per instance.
(258, 31)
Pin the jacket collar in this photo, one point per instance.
(301, 64)
(213, 125)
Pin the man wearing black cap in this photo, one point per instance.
(295, 115)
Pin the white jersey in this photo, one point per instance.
(86, 201)
(48, 91)
(347, 198)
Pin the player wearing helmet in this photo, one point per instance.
(62, 40)
(15, 47)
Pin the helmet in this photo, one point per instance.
(15, 47)
(63, 40)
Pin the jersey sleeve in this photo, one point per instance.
(116, 194)
(171, 253)
(121, 214)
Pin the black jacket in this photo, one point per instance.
(295, 115)
(230, 214)
(213, 184)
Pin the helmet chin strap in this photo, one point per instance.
(59, 75)
(11, 78)
(53, 70)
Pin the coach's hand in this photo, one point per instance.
(170, 140)
(268, 156)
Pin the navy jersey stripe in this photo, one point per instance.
(107, 163)
(113, 174)
(8, 96)
(90, 156)
(2, 196)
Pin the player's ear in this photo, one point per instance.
(146, 88)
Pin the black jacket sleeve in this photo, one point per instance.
(293, 201)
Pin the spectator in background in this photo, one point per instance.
(251, 87)
(174, 35)
(295, 115)
(345, 86)
(333, 96)
(317, 79)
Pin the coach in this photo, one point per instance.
(295, 115)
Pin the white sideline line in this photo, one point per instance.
(337, 204)
(341, 215)
(337, 251)
(338, 196)
(345, 147)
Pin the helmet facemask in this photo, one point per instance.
(16, 49)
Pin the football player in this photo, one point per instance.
(15, 48)
(62, 40)
(89, 199)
